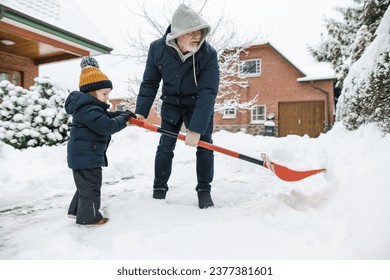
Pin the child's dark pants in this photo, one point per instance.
(86, 201)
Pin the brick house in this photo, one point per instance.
(301, 104)
(42, 31)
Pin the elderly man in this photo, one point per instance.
(188, 66)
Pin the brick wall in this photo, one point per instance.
(24, 65)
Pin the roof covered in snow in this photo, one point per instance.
(63, 16)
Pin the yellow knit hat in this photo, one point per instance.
(91, 78)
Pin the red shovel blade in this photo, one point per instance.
(286, 173)
(290, 175)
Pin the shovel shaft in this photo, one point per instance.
(201, 143)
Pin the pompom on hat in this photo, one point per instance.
(91, 78)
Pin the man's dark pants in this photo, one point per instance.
(164, 155)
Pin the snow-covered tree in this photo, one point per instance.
(230, 82)
(348, 37)
(366, 94)
(34, 117)
(229, 38)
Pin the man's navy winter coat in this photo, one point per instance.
(179, 85)
(91, 130)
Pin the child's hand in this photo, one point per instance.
(128, 114)
(132, 115)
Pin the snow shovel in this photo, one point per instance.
(280, 171)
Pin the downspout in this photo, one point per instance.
(2, 11)
(327, 101)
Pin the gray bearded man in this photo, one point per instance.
(188, 67)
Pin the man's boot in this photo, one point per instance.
(159, 194)
(204, 199)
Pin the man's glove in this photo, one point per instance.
(192, 138)
(128, 114)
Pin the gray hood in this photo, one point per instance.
(185, 20)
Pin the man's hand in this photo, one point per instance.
(140, 117)
(192, 138)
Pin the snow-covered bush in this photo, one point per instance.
(366, 94)
(34, 117)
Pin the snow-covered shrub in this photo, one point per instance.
(34, 117)
(366, 94)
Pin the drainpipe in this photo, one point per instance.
(2, 12)
(327, 100)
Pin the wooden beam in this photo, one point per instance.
(54, 58)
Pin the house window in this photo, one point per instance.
(250, 68)
(3, 76)
(258, 114)
(230, 109)
(14, 77)
(119, 107)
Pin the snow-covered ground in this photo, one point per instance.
(341, 214)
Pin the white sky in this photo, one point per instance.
(289, 25)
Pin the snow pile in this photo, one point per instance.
(341, 214)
